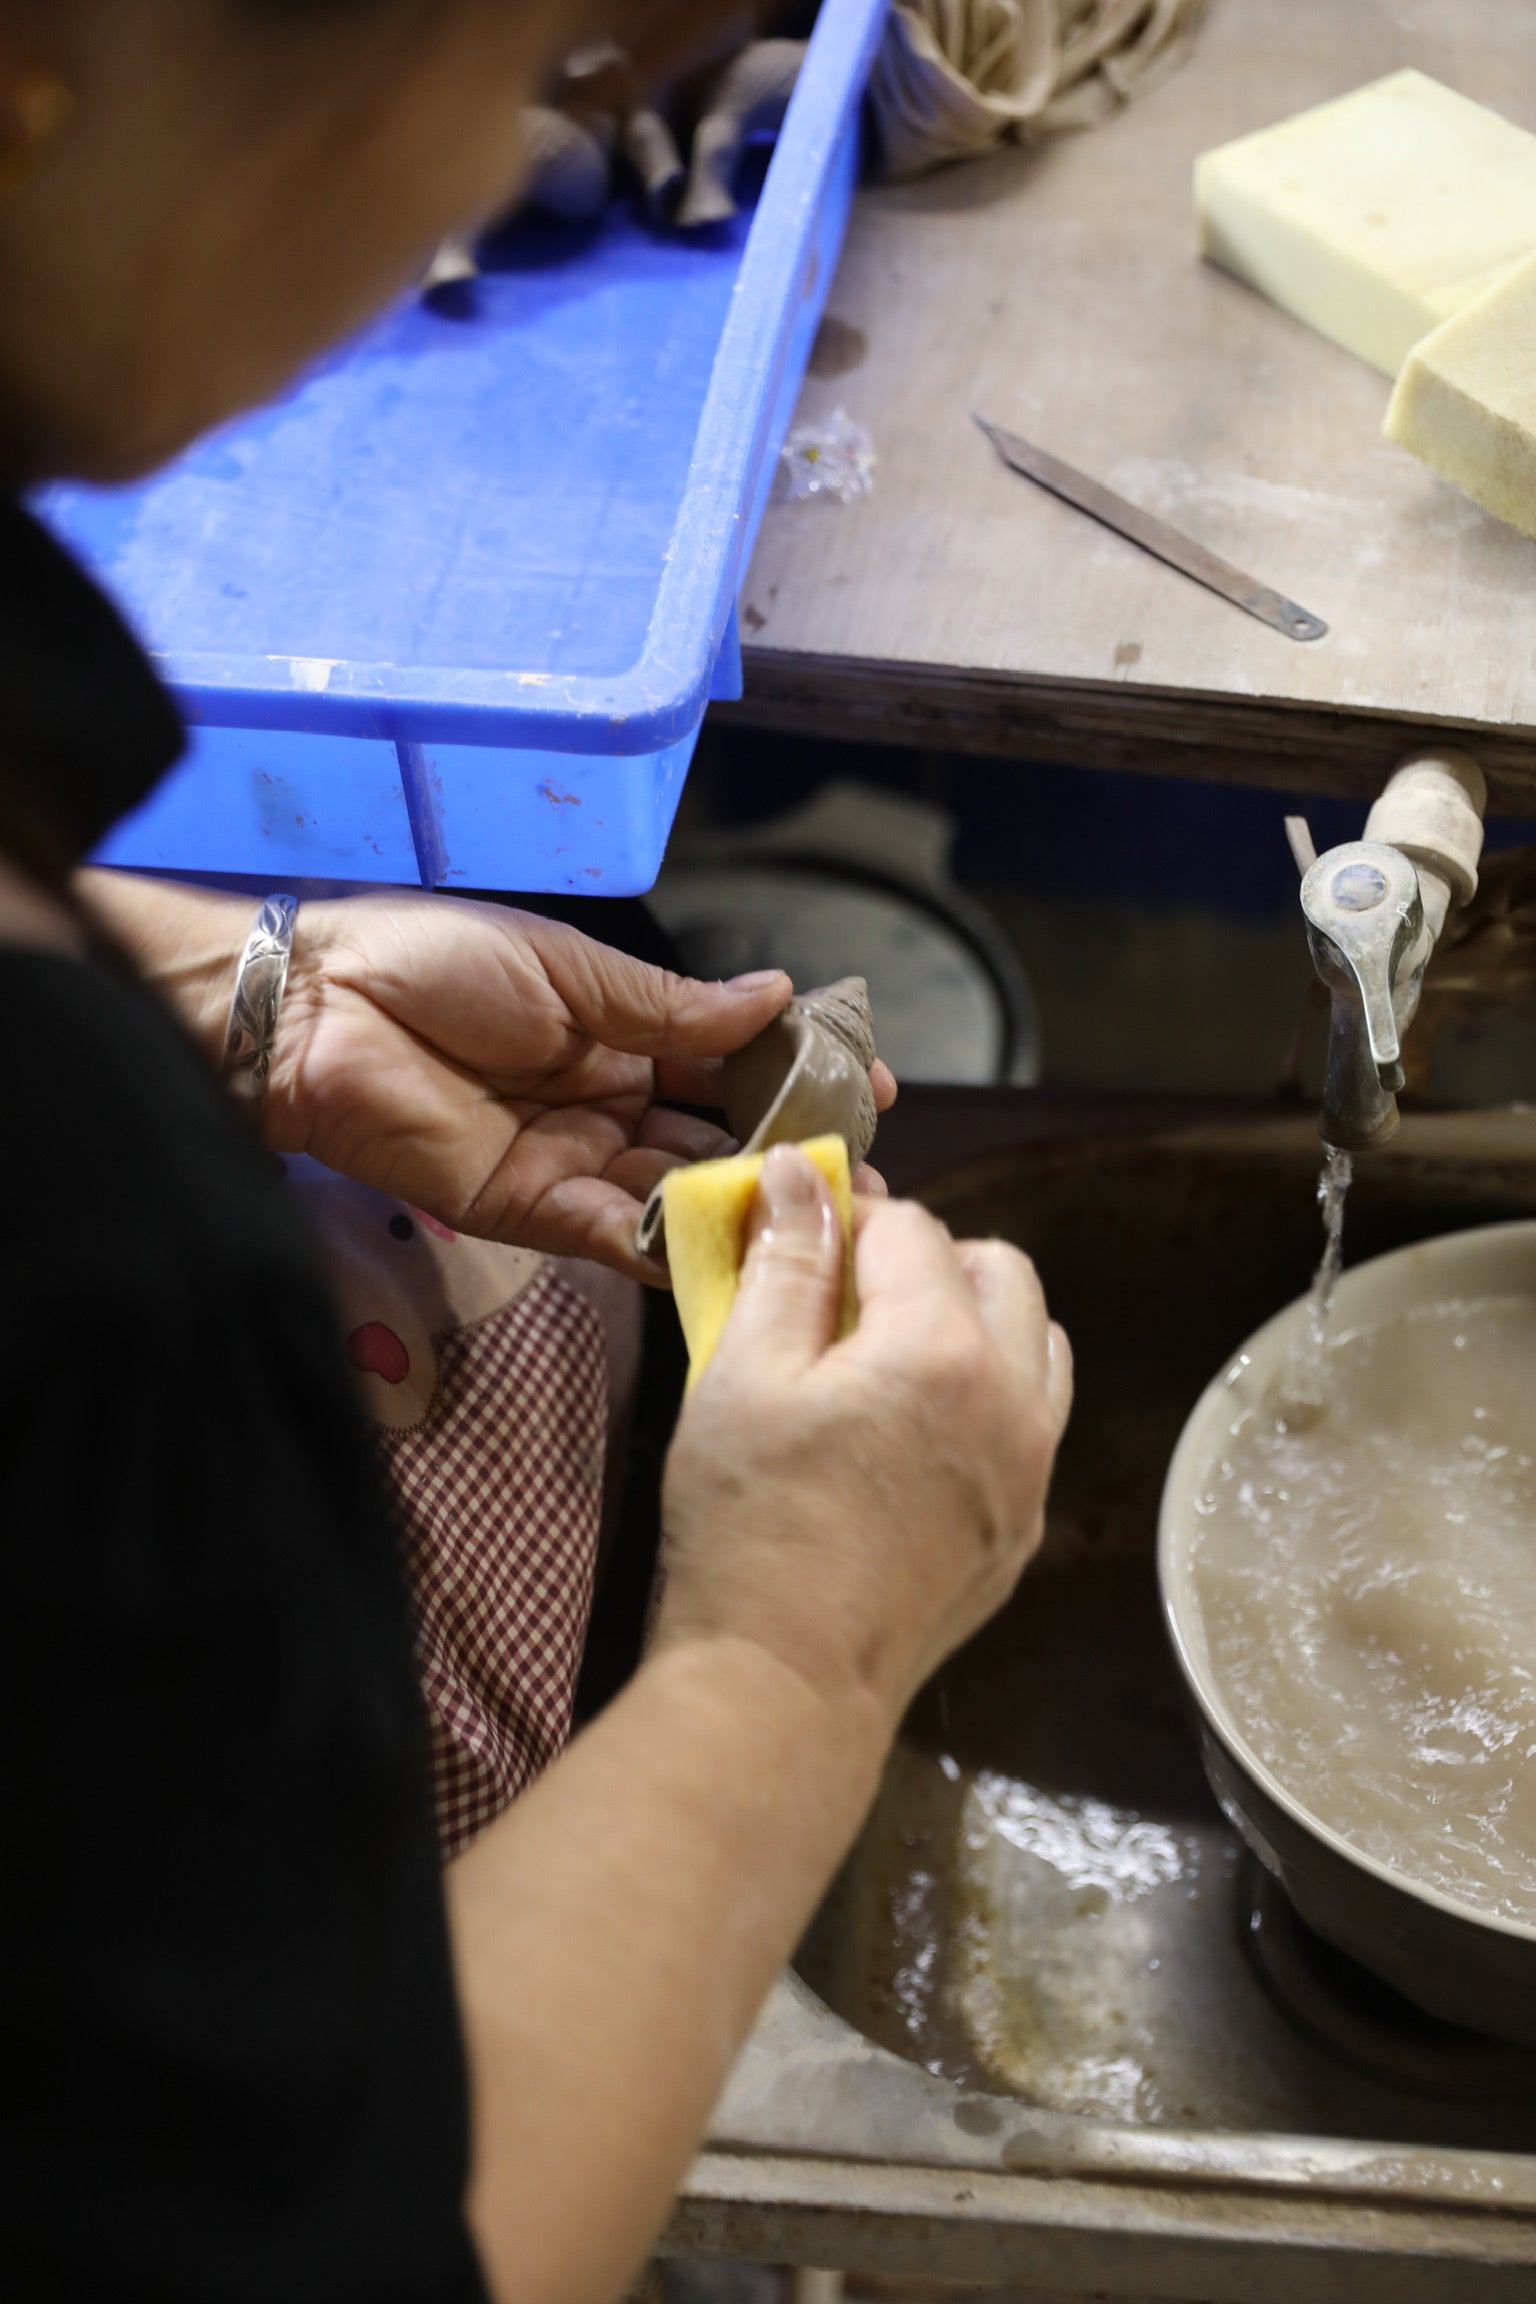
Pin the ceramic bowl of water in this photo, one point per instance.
(1347, 1557)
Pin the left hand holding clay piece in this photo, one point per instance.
(500, 1071)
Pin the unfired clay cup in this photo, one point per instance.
(806, 1074)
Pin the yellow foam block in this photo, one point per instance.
(1374, 217)
(706, 1209)
(1466, 399)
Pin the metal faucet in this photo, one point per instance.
(1374, 910)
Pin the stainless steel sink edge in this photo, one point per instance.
(1092, 2238)
(809, 2083)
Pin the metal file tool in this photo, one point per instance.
(1154, 535)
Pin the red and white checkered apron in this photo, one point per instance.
(498, 1494)
(485, 1375)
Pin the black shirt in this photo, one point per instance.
(230, 2064)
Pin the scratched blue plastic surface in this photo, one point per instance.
(451, 611)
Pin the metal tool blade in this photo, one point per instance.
(1154, 535)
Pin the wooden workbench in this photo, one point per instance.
(1057, 290)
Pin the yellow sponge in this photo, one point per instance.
(1466, 399)
(706, 1208)
(1375, 216)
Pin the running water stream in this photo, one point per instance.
(1332, 1192)
(1303, 1391)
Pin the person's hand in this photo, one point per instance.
(860, 1508)
(501, 1071)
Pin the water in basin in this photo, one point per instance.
(1367, 1586)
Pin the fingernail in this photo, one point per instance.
(788, 1181)
(758, 981)
(790, 1198)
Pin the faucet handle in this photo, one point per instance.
(1364, 916)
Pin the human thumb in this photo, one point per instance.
(786, 1308)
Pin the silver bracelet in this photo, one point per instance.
(260, 982)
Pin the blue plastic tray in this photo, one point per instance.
(452, 610)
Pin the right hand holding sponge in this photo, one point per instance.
(708, 1209)
(805, 1080)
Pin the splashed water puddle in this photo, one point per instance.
(1057, 1967)
(915, 1983)
(1086, 1842)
